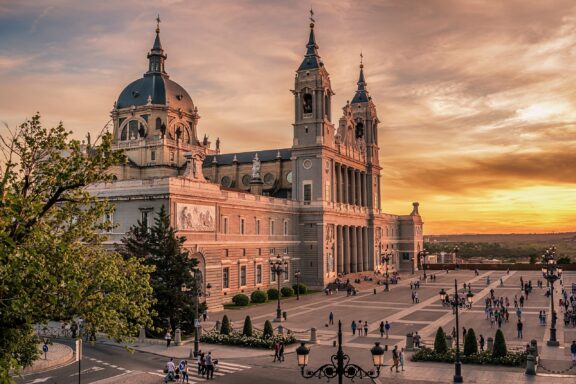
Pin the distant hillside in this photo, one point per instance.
(547, 238)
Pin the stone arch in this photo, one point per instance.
(123, 133)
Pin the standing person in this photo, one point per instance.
(183, 368)
(168, 338)
(199, 361)
(395, 358)
(387, 328)
(209, 366)
(481, 343)
(353, 326)
(170, 370)
(416, 299)
(573, 351)
(281, 353)
(205, 315)
(365, 328)
(453, 333)
(417, 339)
(276, 352)
(381, 329)
(519, 327)
(331, 319)
(360, 327)
(401, 358)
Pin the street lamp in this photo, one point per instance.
(340, 365)
(422, 255)
(197, 292)
(456, 303)
(297, 275)
(278, 266)
(386, 260)
(551, 273)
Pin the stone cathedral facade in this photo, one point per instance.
(317, 201)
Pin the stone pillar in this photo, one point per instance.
(368, 261)
(358, 189)
(346, 189)
(361, 255)
(449, 341)
(337, 182)
(178, 337)
(313, 339)
(341, 185)
(353, 186)
(490, 344)
(354, 250)
(409, 342)
(340, 250)
(365, 184)
(346, 249)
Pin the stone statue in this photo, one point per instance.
(256, 167)
(218, 144)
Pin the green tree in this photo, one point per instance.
(563, 260)
(247, 330)
(172, 280)
(499, 349)
(470, 343)
(440, 342)
(268, 330)
(532, 259)
(52, 263)
(226, 327)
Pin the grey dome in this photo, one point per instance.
(160, 88)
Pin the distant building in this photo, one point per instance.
(316, 201)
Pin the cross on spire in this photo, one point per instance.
(158, 23)
(361, 60)
(312, 15)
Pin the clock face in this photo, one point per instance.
(246, 180)
(269, 178)
(307, 164)
(289, 177)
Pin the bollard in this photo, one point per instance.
(142, 335)
(313, 339)
(490, 344)
(449, 341)
(177, 337)
(280, 330)
(530, 364)
(374, 290)
(409, 342)
(534, 344)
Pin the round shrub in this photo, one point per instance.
(240, 300)
(301, 288)
(272, 294)
(287, 292)
(258, 297)
(440, 346)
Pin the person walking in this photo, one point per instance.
(331, 319)
(281, 353)
(360, 327)
(573, 351)
(209, 366)
(276, 352)
(401, 358)
(387, 328)
(519, 327)
(200, 362)
(170, 370)
(481, 343)
(353, 326)
(365, 328)
(183, 368)
(381, 329)
(395, 359)
(205, 315)
(168, 338)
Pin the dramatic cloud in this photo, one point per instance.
(476, 98)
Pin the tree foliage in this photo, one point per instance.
(175, 287)
(247, 330)
(499, 349)
(470, 343)
(226, 327)
(268, 329)
(440, 341)
(52, 263)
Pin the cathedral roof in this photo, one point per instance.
(312, 58)
(155, 87)
(361, 95)
(246, 157)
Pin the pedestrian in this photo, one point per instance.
(401, 358)
(360, 327)
(453, 333)
(209, 366)
(168, 338)
(170, 370)
(353, 326)
(463, 332)
(481, 343)
(395, 358)
(276, 352)
(183, 368)
(416, 297)
(205, 315)
(200, 362)
(365, 328)
(381, 329)
(573, 351)
(331, 318)
(387, 328)
(519, 327)
(417, 339)
(281, 353)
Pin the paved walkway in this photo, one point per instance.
(58, 354)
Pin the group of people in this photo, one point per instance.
(174, 372)
(278, 352)
(359, 327)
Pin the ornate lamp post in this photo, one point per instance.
(278, 266)
(456, 303)
(197, 292)
(340, 365)
(551, 273)
(386, 260)
(297, 275)
(422, 255)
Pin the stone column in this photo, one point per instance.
(359, 187)
(365, 184)
(339, 250)
(353, 186)
(337, 182)
(354, 250)
(346, 249)
(368, 259)
(360, 267)
(346, 190)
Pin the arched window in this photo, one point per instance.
(158, 124)
(307, 103)
(124, 134)
(327, 105)
(359, 130)
(133, 129)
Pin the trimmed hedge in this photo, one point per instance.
(258, 297)
(240, 300)
(440, 346)
(226, 327)
(512, 359)
(272, 294)
(247, 330)
(255, 341)
(268, 330)
(470, 343)
(499, 349)
(287, 292)
(301, 288)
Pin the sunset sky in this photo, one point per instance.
(477, 99)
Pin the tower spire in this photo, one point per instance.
(312, 58)
(156, 56)
(361, 95)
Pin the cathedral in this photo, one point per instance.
(316, 203)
